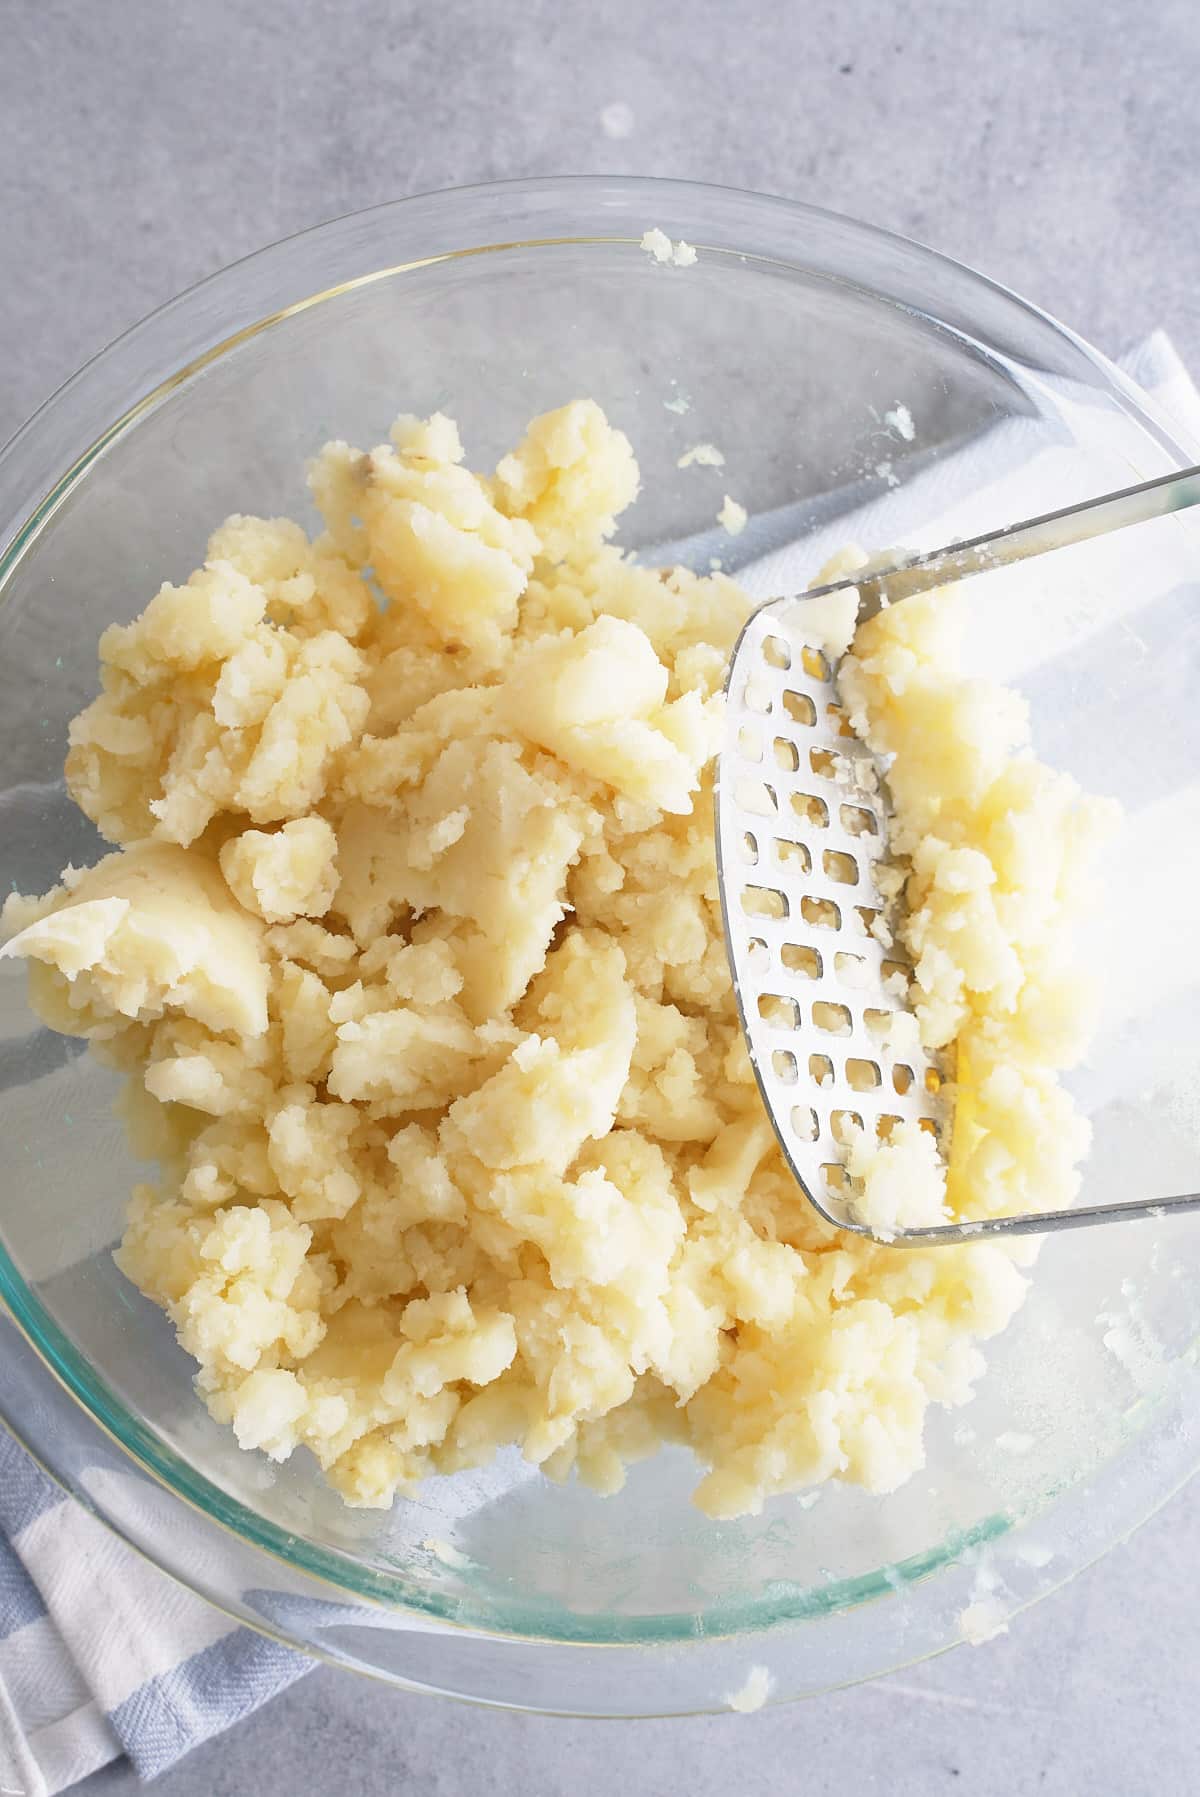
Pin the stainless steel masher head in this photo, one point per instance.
(801, 828)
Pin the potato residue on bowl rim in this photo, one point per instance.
(411, 950)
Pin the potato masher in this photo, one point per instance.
(801, 825)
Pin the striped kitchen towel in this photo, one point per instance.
(101, 1654)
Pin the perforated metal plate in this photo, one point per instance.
(798, 867)
(801, 829)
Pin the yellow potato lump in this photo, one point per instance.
(411, 948)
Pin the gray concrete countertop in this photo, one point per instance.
(1093, 1693)
(144, 143)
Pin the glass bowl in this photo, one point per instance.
(788, 344)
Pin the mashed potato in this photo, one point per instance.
(411, 947)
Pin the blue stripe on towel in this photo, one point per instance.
(169, 1715)
(25, 1491)
(20, 1600)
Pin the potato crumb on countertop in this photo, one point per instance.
(754, 1693)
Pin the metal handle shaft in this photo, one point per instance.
(1156, 498)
